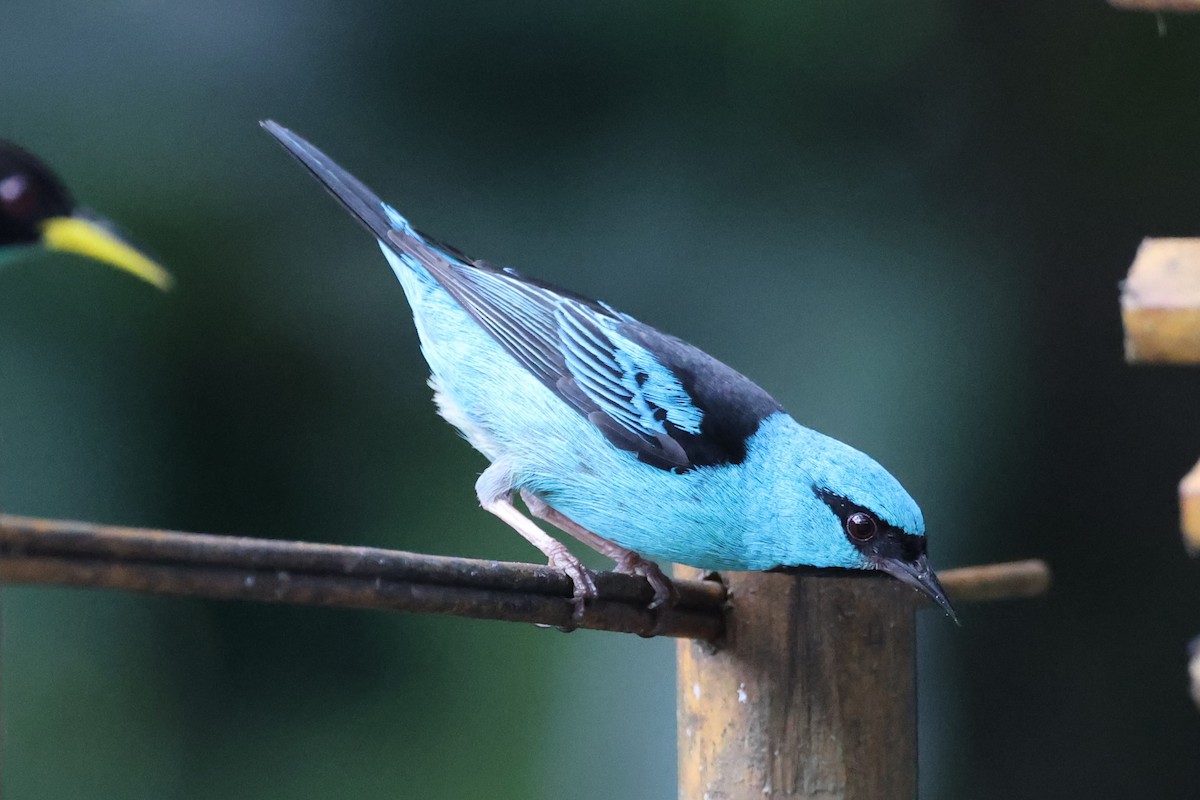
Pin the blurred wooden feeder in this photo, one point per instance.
(1189, 507)
(1160, 303)
(1160, 308)
(1194, 668)
(1158, 6)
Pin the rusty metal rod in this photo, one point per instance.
(46, 551)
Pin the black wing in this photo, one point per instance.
(673, 405)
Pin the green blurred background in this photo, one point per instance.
(907, 220)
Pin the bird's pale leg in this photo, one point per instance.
(499, 502)
(627, 560)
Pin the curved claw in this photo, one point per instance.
(665, 593)
(582, 579)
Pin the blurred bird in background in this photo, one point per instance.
(628, 439)
(37, 212)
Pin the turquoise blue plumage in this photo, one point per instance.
(630, 440)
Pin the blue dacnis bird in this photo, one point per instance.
(628, 439)
(36, 211)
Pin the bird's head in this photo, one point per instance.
(36, 210)
(862, 518)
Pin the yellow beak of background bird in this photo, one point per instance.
(37, 210)
(92, 239)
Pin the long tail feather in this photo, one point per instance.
(360, 201)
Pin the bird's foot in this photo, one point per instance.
(582, 579)
(665, 593)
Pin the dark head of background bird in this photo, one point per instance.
(29, 194)
(36, 210)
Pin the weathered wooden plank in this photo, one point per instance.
(810, 695)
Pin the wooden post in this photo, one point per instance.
(812, 694)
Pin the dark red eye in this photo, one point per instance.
(861, 526)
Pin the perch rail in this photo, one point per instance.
(62, 552)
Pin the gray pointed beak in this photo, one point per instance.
(918, 575)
